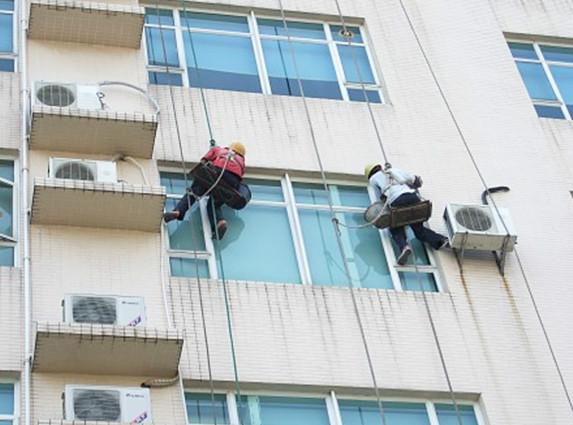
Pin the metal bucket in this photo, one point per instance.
(377, 215)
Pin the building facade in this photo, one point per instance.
(109, 315)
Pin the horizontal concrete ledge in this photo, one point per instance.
(85, 22)
(106, 350)
(102, 131)
(95, 204)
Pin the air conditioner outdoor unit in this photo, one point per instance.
(64, 95)
(104, 310)
(480, 227)
(107, 404)
(80, 169)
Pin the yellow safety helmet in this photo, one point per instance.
(239, 148)
(368, 169)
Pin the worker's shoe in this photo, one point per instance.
(445, 244)
(221, 230)
(170, 216)
(403, 257)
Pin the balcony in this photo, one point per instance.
(85, 22)
(97, 204)
(106, 118)
(106, 350)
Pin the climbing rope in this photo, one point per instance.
(185, 177)
(348, 35)
(333, 217)
(218, 251)
(486, 187)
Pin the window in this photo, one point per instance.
(7, 209)
(7, 35)
(287, 232)
(202, 409)
(548, 75)
(252, 54)
(264, 409)
(8, 403)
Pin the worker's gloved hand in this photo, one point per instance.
(417, 183)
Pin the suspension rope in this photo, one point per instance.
(200, 86)
(348, 35)
(486, 187)
(333, 218)
(185, 177)
(218, 251)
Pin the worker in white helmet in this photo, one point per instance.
(399, 188)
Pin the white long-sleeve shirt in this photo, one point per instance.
(392, 183)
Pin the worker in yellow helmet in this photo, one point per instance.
(397, 188)
(229, 162)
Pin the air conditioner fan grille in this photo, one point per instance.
(75, 170)
(98, 310)
(474, 219)
(55, 95)
(97, 405)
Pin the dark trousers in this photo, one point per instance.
(424, 234)
(198, 189)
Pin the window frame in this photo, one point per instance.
(15, 210)
(292, 210)
(13, 55)
(568, 116)
(15, 417)
(332, 403)
(256, 41)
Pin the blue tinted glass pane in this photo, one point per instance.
(314, 66)
(258, 245)
(555, 53)
(564, 79)
(202, 410)
(6, 4)
(326, 266)
(356, 64)
(292, 411)
(536, 81)
(350, 196)
(357, 95)
(161, 47)
(214, 22)
(265, 190)
(411, 282)
(314, 194)
(6, 422)
(165, 79)
(545, 111)
(306, 193)
(447, 415)
(186, 234)
(7, 170)
(158, 16)
(6, 399)
(6, 256)
(522, 50)
(365, 254)
(6, 33)
(187, 267)
(295, 29)
(7, 65)
(368, 413)
(336, 33)
(174, 183)
(6, 203)
(223, 62)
